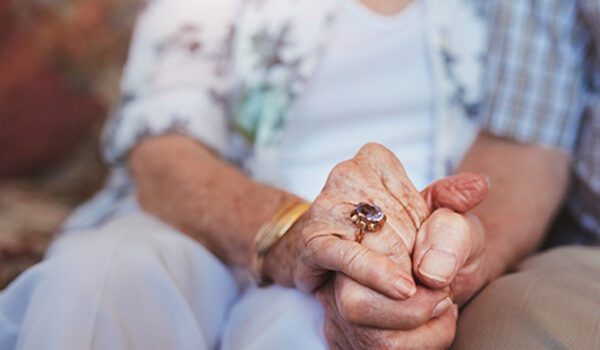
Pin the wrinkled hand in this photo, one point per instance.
(359, 318)
(450, 248)
(365, 303)
(322, 240)
(425, 321)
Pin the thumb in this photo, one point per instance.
(461, 192)
(445, 242)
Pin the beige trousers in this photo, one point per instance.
(552, 301)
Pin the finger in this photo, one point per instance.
(444, 244)
(336, 339)
(364, 307)
(334, 334)
(393, 240)
(461, 192)
(367, 267)
(394, 180)
(438, 333)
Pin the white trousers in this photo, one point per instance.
(136, 283)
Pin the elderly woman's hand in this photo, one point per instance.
(323, 239)
(359, 318)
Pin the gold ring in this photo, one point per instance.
(368, 218)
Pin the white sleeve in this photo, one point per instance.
(176, 77)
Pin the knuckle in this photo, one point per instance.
(354, 259)
(310, 247)
(397, 247)
(452, 222)
(341, 176)
(448, 343)
(374, 150)
(391, 341)
(385, 271)
(303, 277)
(349, 304)
(343, 168)
(372, 147)
(445, 334)
(458, 223)
(348, 311)
(416, 316)
(446, 338)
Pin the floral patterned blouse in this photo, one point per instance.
(227, 74)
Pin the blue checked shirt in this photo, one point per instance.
(542, 87)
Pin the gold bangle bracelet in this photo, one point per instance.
(270, 233)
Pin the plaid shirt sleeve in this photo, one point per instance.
(534, 88)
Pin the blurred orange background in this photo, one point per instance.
(60, 62)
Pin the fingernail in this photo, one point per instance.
(406, 288)
(455, 311)
(442, 308)
(438, 265)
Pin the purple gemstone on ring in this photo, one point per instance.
(369, 212)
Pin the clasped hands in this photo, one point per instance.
(401, 286)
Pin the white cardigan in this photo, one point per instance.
(227, 73)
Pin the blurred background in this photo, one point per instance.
(60, 62)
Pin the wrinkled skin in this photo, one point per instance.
(322, 240)
(457, 235)
(460, 241)
(371, 299)
(414, 325)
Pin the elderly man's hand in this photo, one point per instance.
(450, 248)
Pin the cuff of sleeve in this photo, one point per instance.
(185, 112)
(547, 131)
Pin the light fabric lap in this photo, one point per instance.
(551, 302)
(136, 283)
(275, 318)
(133, 284)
